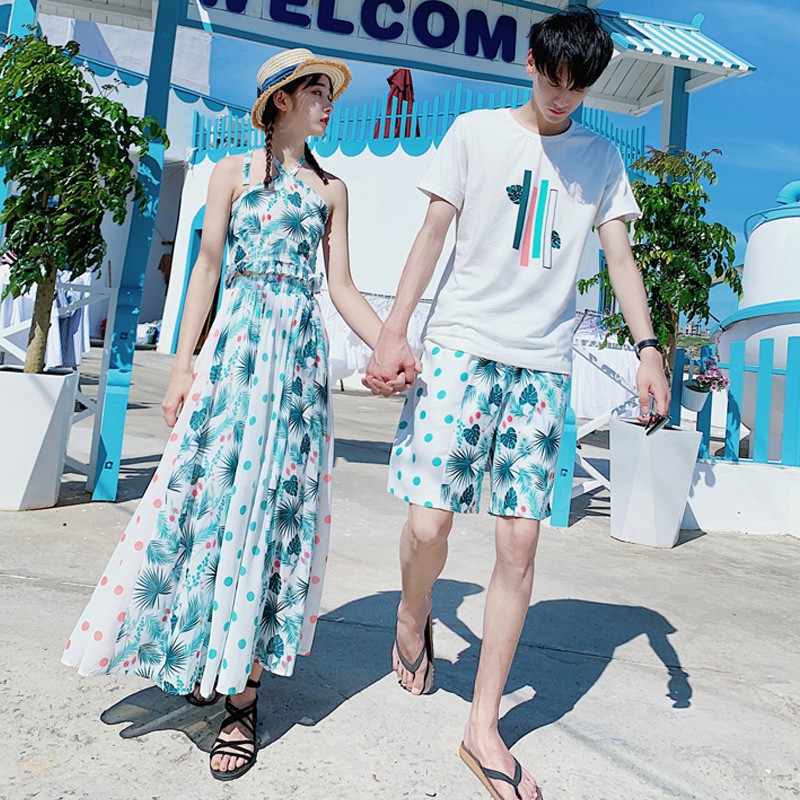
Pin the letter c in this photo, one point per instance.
(369, 19)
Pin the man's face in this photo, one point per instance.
(554, 101)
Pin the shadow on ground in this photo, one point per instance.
(566, 646)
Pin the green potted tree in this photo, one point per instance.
(680, 255)
(70, 153)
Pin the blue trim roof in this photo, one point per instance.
(671, 40)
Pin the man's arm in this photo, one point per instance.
(392, 354)
(629, 290)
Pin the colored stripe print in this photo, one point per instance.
(534, 235)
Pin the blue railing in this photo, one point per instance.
(355, 128)
(765, 373)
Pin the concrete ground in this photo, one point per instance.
(642, 674)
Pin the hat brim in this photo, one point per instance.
(337, 71)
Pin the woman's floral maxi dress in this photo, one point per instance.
(224, 558)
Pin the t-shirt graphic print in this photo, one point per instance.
(525, 207)
(535, 235)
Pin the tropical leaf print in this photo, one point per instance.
(467, 496)
(291, 486)
(275, 647)
(297, 419)
(152, 584)
(297, 592)
(150, 654)
(292, 224)
(472, 434)
(275, 584)
(508, 438)
(246, 366)
(555, 240)
(289, 517)
(462, 466)
(305, 444)
(160, 552)
(193, 616)
(292, 626)
(529, 396)
(304, 248)
(175, 659)
(297, 387)
(295, 199)
(495, 396)
(510, 500)
(514, 194)
(295, 547)
(504, 471)
(547, 441)
(227, 466)
(271, 619)
(488, 371)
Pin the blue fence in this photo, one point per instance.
(353, 129)
(765, 375)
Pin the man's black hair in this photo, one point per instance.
(572, 45)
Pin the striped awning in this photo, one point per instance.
(671, 40)
(646, 50)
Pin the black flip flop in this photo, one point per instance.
(486, 776)
(427, 650)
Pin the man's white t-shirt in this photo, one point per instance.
(526, 204)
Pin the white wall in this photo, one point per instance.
(748, 498)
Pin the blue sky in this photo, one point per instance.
(755, 120)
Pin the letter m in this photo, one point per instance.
(479, 37)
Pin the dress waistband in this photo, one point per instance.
(310, 285)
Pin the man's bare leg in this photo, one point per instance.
(423, 553)
(507, 602)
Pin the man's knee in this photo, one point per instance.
(428, 527)
(515, 542)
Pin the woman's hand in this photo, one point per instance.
(180, 385)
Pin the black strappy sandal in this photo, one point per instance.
(201, 702)
(427, 650)
(237, 748)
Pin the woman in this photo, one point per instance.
(219, 573)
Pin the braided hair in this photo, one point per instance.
(268, 121)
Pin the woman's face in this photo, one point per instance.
(310, 107)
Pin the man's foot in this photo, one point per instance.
(491, 753)
(239, 731)
(411, 641)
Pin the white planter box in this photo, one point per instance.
(650, 481)
(692, 400)
(36, 411)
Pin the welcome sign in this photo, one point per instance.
(478, 39)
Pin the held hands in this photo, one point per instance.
(652, 384)
(392, 367)
(180, 385)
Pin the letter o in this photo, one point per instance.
(422, 19)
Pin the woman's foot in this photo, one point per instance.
(197, 699)
(234, 750)
(410, 640)
(492, 754)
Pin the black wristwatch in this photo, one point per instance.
(639, 346)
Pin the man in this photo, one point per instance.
(525, 186)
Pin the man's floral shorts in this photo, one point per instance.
(465, 414)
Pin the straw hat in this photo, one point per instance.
(290, 65)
